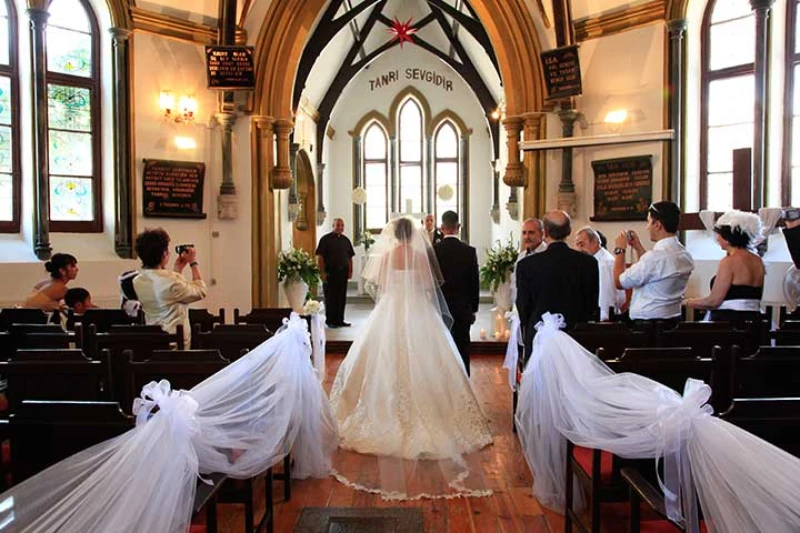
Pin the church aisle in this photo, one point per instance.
(510, 509)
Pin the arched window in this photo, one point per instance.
(9, 120)
(73, 117)
(376, 177)
(791, 126)
(410, 184)
(446, 180)
(728, 89)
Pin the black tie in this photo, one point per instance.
(528, 252)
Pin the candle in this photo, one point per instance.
(507, 334)
(496, 334)
(483, 334)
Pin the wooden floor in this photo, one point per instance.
(511, 508)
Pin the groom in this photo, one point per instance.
(459, 264)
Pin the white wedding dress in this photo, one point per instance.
(402, 392)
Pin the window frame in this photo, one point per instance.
(385, 161)
(12, 72)
(791, 60)
(706, 77)
(447, 122)
(93, 84)
(410, 99)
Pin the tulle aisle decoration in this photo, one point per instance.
(239, 422)
(744, 484)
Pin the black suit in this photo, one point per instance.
(459, 264)
(792, 236)
(558, 280)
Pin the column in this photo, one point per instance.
(514, 176)
(429, 199)
(41, 179)
(762, 10)
(121, 104)
(495, 211)
(536, 183)
(281, 174)
(673, 189)
(358, 181)
(227, 208)
(465, 186)
(265, 231)
(321, 213)
(394, 197)
(566, 187)
(294, 204)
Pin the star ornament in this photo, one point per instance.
(402, 31)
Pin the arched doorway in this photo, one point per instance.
(304, 229)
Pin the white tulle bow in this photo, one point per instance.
(674, 428)
(177, 404)
(512, 349)
(551, 321)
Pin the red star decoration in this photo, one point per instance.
(402, 31)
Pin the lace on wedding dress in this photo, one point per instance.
(410, 425)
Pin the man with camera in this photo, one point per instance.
(165, 294)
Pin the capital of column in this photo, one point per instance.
(761, 5)
(283, 126)
(281, 173)
(514, 175)
(226, 120)
(568, 118)
(677, 27)
(533, 122)
(262, 123)
(38, 14)
(120, 34)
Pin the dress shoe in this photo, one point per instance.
(332, 326)
(345, 325)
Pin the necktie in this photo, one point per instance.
(528, 252)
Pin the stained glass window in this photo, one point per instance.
(447, 187)
(376, 177)
(72, 114)
(9, 121)
(410, 186)
(729, 95)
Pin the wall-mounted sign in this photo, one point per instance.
(173, 189)
(419, 74)
(623, 188)
(230, 67)
(562, 72)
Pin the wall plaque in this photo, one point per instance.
(562, 72)
(623, 188)
(173, 189)
(230, 67)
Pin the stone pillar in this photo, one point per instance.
(321, 213)
(566, 187)
(281, 174)
(673, 189)
(41, 179)
(495, 211)
(265, 230)
(514, 176)
(358, 181)
(534, 195)
(121, 109)
(227, 208)
(762, 10)
(294, 204)
(429, 200)
(464, 186)
(394, 197)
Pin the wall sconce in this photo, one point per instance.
(615, 118)
(183, 113)
(185, 143)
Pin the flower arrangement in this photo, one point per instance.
(500, 261)
(312, 307)
(298, 265)
(366, 239)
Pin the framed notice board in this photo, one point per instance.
(623, 188)
(173, 189)
(562, 72)
(230, 67)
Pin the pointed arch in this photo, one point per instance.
(373, 116)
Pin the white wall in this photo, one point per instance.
(357, 100)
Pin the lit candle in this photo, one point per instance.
(483, 334)
(507, 334)
(496, 334)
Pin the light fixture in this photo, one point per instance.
(183, 113)
(615, 118)
(496, 114)
(185, 143)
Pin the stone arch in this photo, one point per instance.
(448, 114)
(374, 116)
(402, 96)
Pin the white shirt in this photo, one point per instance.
(610, 296)
(659, 280)
(520, 256)
(164, 295)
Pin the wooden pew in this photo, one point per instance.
(204, 319)
(270, 317)
(772, 372)
(608, 340)
(15, 315)
(703, 336)
(788, 334)
(52, 375)
(42, 336)
(103, 319)
(230, 341)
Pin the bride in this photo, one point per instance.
(402, 392)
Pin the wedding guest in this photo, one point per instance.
(792, 235)
(659, 277)
(335, 258)
(532, 242)
(48, 294)
(588, 242)
(164, 294)
(79, 300)
(737, 288)
(433, 233)
(603, 240)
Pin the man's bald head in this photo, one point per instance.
(557, 225)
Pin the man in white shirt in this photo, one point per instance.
(659, 278)
(588, 242)
(433, 233)
(532, 243)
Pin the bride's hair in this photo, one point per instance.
(403, 229)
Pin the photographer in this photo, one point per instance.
(792, 234)
(165, 294)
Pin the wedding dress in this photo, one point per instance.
(402, 394)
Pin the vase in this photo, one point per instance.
(502, 305)
(296, 292)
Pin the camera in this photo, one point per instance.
(629, 234)
(180, 248)
(791, 214)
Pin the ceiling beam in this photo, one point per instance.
(472, 25)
